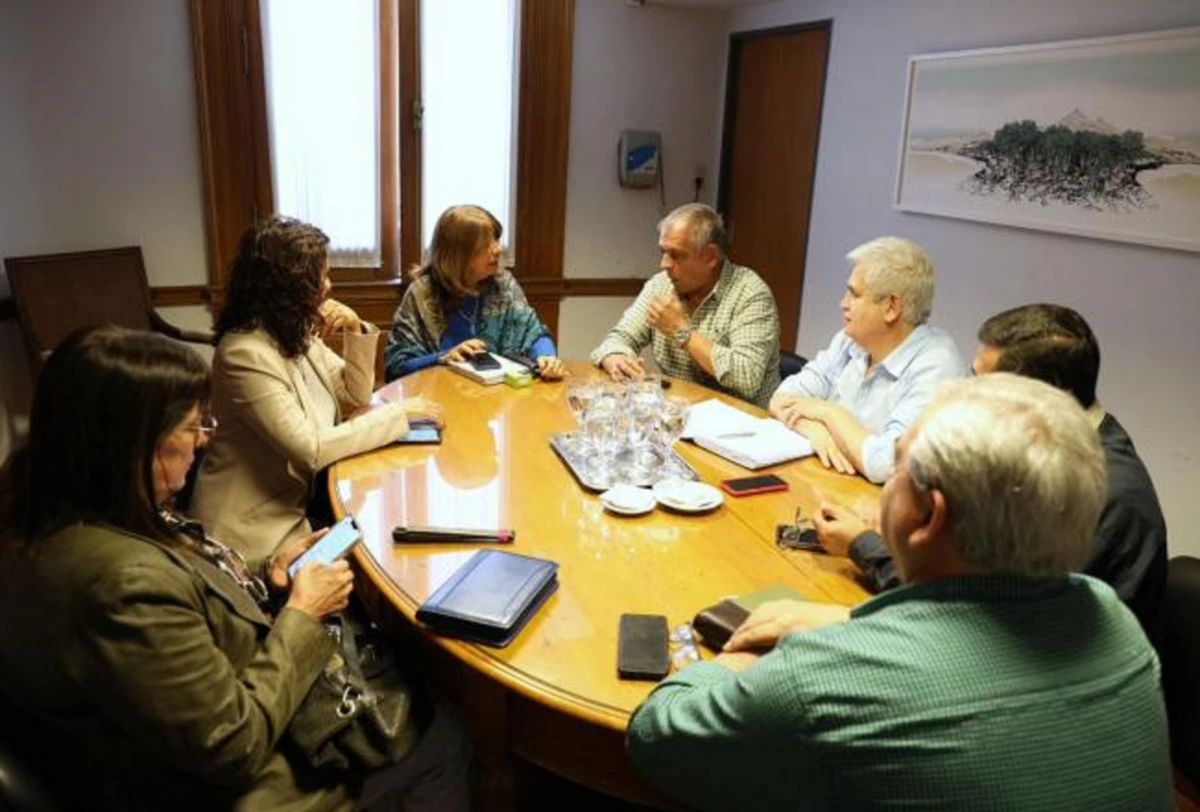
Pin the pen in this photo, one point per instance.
(451, 535)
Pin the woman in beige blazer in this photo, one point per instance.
(280, 394)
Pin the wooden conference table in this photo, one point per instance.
(553, 697)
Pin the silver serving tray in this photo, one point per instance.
(627, 470)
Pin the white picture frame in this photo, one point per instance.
(1076, 170)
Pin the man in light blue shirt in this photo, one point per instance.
(856, 398)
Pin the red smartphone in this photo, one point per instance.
(745, 486)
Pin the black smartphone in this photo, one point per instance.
(483, 361)
(642, 647)
(753, 484)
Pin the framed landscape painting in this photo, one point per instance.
(1099, 137)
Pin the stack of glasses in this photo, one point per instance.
(626, 431)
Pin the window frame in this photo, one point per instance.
(235, 150)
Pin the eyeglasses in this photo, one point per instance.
(206, 427)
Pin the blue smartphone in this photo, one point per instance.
(421, 435)
(332, 546)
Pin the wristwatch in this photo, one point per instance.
(682, 335)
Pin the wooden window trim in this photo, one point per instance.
(235, 148)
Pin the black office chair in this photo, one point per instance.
(790, 363)
(1181, 663)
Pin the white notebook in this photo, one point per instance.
(486, 377)
(751, 442)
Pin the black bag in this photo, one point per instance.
(358, 715)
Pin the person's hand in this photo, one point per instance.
(550, 367)
(277, 575)
(472, 346)
(623, 367)
(420, 407)
(666, 314)
(320, 589)
(837, 527)
(337, 318)
(825, 446)
(790, 411)
(770, 622)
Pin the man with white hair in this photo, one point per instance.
(706, 319)
(860, 393)
(993, 679)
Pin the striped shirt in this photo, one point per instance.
(980, 693)
(738, 317)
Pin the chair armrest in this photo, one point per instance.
(165, 327)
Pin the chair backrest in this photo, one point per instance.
(1181, 663)
(790, 363)
(22, 788)
(56, 294)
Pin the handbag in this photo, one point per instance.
(358, 716)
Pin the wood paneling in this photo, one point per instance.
(232, 124)
(179, 296)
(543, 131)
(410, 136)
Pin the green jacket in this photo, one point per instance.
(972, 693)
(159, 679)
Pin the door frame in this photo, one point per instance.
(736, 40)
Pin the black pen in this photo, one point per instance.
(417, 534)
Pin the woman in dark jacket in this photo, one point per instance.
(164, 669)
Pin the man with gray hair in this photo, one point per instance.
(705, 318)
(861, 392)
(993, 679)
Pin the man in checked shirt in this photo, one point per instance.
(705, 318)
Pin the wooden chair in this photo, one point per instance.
(56, 294)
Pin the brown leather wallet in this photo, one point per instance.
(717, 623)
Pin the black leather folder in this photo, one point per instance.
(491, 597)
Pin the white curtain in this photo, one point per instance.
(467, 80)
(322, 80)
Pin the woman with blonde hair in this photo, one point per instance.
(461, 302)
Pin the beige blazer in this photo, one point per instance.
(271, 439)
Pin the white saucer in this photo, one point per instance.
(687, 497)
(628, 500)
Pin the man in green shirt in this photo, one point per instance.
(992, 679)
(705, 318)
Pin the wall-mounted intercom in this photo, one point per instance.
(639, 156)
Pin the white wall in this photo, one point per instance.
(98, 126)
(651, 68)
(1142, 302)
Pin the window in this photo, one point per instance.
(321, 62)
(324, 89)
(471, 159)
(467, 117)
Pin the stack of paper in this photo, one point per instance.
(751, 442)
(487, 377)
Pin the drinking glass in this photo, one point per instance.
(580, 394)
(672, 421)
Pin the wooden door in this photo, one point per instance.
(775, 84)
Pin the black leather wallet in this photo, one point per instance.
(717, 623)
(491, 597)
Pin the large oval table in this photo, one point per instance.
(553, 697)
